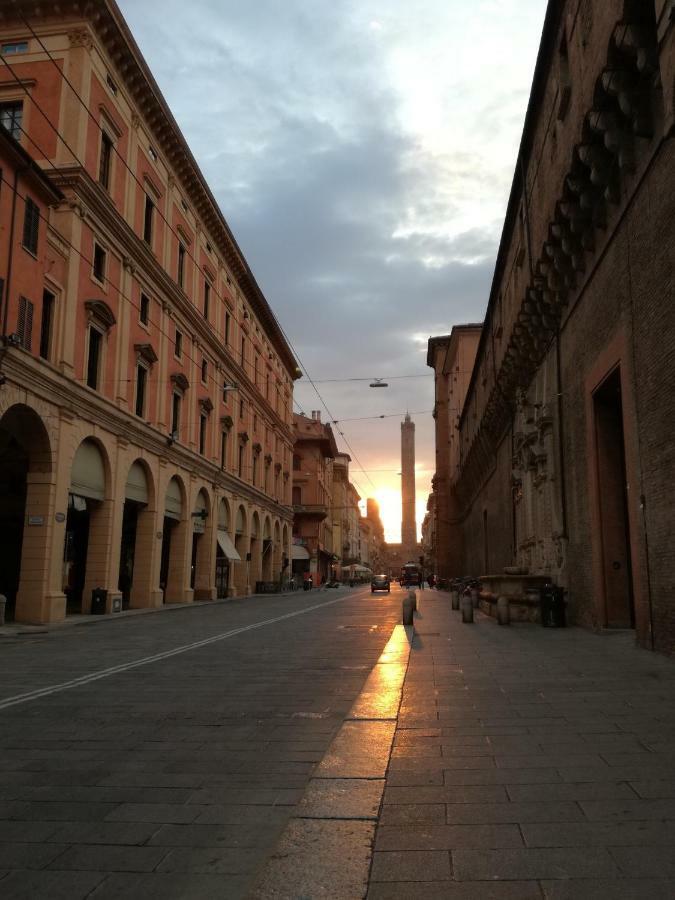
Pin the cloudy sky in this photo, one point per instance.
(362, 153)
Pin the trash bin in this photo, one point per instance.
(98, 601)
(552, 606)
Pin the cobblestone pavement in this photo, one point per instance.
(172, 778)
(528, 762)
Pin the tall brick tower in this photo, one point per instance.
(408, 524)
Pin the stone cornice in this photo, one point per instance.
(616, 145)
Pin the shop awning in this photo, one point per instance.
(300, 552)
(87, 478)
(227, 546)
(137, 484)
(174, 501)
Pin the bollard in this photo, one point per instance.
(3, 603)
(454, 599)
(503, 611)
(407, 611)
(475, 597)
(467, 610)
(413, 596)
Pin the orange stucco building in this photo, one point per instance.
(313, 454)
(146, 387)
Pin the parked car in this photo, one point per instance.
(380, 583)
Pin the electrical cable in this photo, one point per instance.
(198, 267)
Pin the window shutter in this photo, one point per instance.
(25, 323)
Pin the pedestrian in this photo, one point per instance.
(431, 580)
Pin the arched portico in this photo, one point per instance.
(226, 554)
(174, 578)
(203, 539)
(138, 575)
(267, 551)
(255, 551)
(277, 573)
(89, 520)
(241, 544)
(27, 525)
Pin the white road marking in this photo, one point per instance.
(146, 660)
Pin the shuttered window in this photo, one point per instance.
(24, 325)
(31, 225)
(104, 164)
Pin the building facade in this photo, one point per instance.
(376, 535)
(566, 449)
(452, 358)
(314, 452)
(149, 428)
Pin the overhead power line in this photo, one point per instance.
(169, 226)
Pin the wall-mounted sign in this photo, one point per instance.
(60, 517)
(36, 520)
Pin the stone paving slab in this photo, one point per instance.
(528, 762)
(55, 885)
(174, 779)
(326, 849)
(316, 858)
(341, 798)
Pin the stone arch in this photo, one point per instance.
(89, 521)
(267, 551)
(202, 570)
(255, 550)
(27, 491)
(225, 551)
(241, 544)
(224, 515)
(277, 560)
(286, 550)
(137, 578)
(174, 579)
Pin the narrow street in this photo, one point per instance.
(175, 776)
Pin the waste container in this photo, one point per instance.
(98, 601)
(552, 606)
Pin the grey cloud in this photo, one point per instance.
(340, 213)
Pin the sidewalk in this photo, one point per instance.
(528, 763)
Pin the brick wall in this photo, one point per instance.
(606, 306)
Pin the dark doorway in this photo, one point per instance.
(128, 550)
(13, 470)
(613, 503)
(167, 530)
(75, 552)
(222, 573)
(193, 561)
